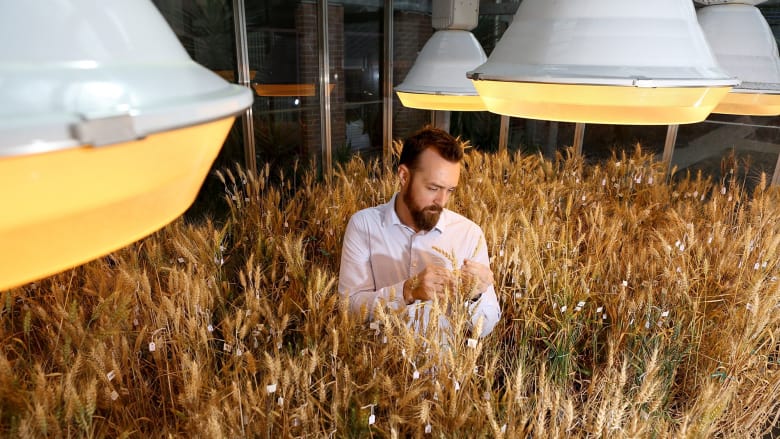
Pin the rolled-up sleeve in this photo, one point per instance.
(356, 279)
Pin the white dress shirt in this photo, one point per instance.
(379, 253)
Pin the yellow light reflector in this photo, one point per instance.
(749, 104)
(64, 208)
(441, 102)
(600, 103)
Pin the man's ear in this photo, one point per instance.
(403, 174)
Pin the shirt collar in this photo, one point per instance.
(390, 217)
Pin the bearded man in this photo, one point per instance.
(401, 254)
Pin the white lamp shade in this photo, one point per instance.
(603, 61)
(437, 80)
(744, 45)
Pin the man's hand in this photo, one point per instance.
(476, 276)
(433, 281)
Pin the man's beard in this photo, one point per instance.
(425, 218)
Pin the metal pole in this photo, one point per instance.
(441, 119)
(503, 134)
(387, 98)
(324, 54)
(671, 139)
(552, 138)
(579, 138)
(242, 58)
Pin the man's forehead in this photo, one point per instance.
(441, 175)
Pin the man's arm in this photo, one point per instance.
(486, 309)
(356, 276)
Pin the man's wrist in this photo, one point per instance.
(409, 286)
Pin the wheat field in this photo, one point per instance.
(634, 305)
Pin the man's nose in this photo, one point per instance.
(441, 198)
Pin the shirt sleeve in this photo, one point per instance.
(486, 308)
(356, 277)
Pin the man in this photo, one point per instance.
(400, 254)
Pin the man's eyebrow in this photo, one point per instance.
(441, 186)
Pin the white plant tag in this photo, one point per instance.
(271, 388)
(152, 346)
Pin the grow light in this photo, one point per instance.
(605, 61)
(107, 131)
(437, 80)
(745, 46)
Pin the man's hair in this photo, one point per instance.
(450, 148)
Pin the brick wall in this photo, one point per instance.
(411, 31)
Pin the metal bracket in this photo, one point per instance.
(105, 130)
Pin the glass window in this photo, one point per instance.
(283, 46)
(356, 48)
(726, 145)
(283, 54)
(206, 30)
